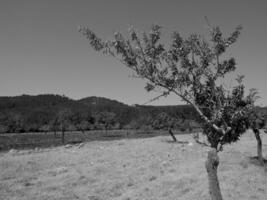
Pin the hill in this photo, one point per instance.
(45, 102)
(125, 113)
(28, 113)
(101, 102)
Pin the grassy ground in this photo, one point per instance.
(33, 140)
(137, 169)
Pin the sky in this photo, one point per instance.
(41, 50)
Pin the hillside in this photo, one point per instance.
(126, 113)
(101, 102)
(30, 113)
(45, 102)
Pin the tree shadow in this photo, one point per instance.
(177, 142)
(254, 160)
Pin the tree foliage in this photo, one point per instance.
(105, 119)
(164, 121)
(35, 113)
(191, 67)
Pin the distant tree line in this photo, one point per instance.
(54, 113)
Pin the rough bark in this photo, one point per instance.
(172, 135)
(212, 166)
(259, 145)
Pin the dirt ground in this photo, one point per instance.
(134, 169)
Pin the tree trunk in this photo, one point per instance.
(173, 136)
(106, 129)
(84, 136)
(212, 166)
(63, 137)
(259, 145)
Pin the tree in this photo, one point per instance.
(142, 121)
(82, 126)
(54, 126)
(15, 122)
(163, 121)
(257, 122)
(63, 120)
(82, 121)
(4, 127)
(107, 119)
(45, 128)
(193, 68)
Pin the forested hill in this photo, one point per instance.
(97, 101)
(140, 114)
(105, 104)
(30, 113)
(37, 113)
(41, 103)
(99, 104)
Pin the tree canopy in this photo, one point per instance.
(191, 67)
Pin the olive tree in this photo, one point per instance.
(82, 121)
(163, 121)
(193, 68)
(63, 121)
(107, 119)
(257, 122)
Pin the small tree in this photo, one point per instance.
(193, 68)
(82, 121)
(164, 121)
(53, 124)
(45, 128)
(257, 122)
(15, 122)
(142, 122)
(107, 119)
(82, 126)
(63, 120)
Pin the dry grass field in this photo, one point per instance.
(135, 169)
(43, 140)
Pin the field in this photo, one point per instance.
(36, 140)
(137, 169)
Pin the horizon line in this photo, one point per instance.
(78, 99)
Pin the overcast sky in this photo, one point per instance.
(41, 50)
